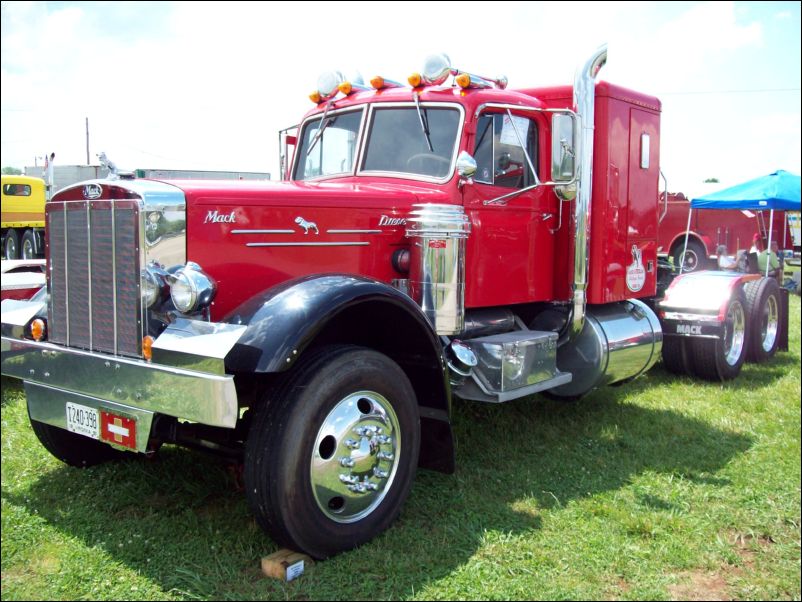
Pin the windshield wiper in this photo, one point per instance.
(324, 123)
(424, 122)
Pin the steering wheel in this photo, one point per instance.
(430, 157)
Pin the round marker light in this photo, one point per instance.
(463, 80)
(38, 329)
(415, 80)
(315, 97)
(377, 82)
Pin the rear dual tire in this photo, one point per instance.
(763, 310)
(721, 358)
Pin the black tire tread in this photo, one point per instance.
(264, 447)
(675, 355)
(756, 292)
(73, 449)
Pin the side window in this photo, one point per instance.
(499, 156)
(16, 190)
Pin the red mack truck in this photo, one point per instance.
(710, 228)
(426, 242)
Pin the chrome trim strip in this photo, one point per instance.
(307, 244)
(114, 270)
(353, 231)
(263, 232)
(66, 275)
(91, 308)
(197, 396)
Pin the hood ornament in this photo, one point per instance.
(307, 226)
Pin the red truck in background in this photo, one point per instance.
(427, 242)
(711, 228)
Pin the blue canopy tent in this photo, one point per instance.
(780, 190)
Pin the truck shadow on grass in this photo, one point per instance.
(180, 522)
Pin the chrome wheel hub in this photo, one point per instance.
(355, 456)
(770, 324)
(734, 331)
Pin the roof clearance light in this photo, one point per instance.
(415, 80)
(349, 87)
(436, 69)
(379, 83)
(463, 80)
(328, 84)
(315, 97)
(466, 80)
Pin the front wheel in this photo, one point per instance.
(11, 245)
(72, 448)
(333, 450)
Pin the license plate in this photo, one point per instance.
(83, 420)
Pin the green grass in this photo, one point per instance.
(663, 488)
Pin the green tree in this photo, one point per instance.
(711, 181)
(12, 171)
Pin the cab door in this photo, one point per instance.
(510, 252)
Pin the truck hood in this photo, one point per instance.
(331, 193)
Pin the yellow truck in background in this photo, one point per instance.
(23, 217)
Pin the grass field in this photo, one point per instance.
(663, 488)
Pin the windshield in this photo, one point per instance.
(332, 151)
(400, 140)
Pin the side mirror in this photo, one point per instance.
(563, 148)
(466, 165)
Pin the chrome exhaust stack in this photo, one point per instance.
(584, 105)
(437, 264)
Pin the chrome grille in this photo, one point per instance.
(94, 275)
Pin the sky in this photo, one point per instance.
(208, 85)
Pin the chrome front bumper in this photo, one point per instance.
(197, 389)
(197, 396)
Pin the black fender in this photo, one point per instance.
(283, 321)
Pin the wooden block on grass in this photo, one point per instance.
(285, 564)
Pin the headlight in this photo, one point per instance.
(191, 289)
(151, 288)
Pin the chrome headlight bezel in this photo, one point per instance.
(153, 285)
(191, 289)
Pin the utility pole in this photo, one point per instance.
(87, 140)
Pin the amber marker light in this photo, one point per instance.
(377, 82)
(345, 88)
(38, 329)
(463, 80)
(147, 347)
(316, 98)
(414, 80)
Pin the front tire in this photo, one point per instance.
(332, 452)
(721, 359)
(72, 448)
(11, 245)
